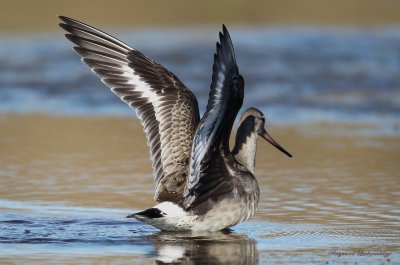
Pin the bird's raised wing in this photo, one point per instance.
(167, 110)
(207, 170)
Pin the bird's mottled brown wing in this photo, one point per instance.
(167, 110)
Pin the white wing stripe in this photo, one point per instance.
(146, 92)
(167, 110)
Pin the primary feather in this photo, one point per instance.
(167, 110)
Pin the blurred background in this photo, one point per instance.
(25, 16)
(311, 60)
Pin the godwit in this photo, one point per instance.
(200, 184)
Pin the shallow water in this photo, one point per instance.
(73, 169)
(67, 183)
(304, 74)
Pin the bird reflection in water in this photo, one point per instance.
(223, 247)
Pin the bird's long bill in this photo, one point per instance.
(264, 134)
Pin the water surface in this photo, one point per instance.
(74, 163)
(68, 182)
(303, 74)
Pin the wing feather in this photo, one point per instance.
(157, 95)
(211, 157)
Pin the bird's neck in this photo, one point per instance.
(227, 124)
(228, 121)
(246, 145)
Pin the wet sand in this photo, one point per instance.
(338, 177)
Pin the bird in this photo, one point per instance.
(200, 183)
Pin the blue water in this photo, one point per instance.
(295, 75)
(65, 234)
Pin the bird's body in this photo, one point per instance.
(201, 185)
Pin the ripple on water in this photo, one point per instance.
(338, 81)
(70, 231)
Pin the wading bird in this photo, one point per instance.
(200, 184)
